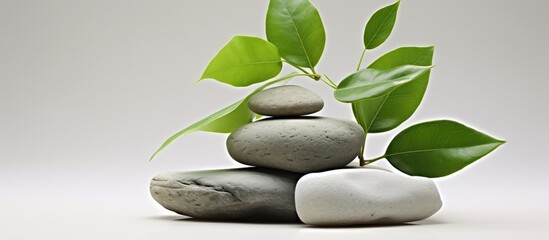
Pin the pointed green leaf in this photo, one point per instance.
(372, 83)
(295, 27)
(225, 120)
(366, 112)
(388, 112)
(244, 61)
(380, 26)
(438, 148)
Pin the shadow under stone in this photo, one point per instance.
(236, 221)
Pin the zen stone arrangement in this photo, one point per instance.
(299, 173)
(300, 163)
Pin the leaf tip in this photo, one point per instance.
(154, 154)
(341, 98)
(396, 4)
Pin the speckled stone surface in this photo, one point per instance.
(285, 101)
(245, 194)
(364, 196)
(302, 145)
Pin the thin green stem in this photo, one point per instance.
(329, 79)
(298, 67)
(313, 70)
(366, 162)
(307, 75)
(328, 83)
(301, 69)
(360, 61)
(291, 75)
(361, 157)
(362, 149)
(361, 154)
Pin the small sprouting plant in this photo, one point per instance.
(382, 95)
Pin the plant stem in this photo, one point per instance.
(366, 162)
(329, 79)
(362, 149)
(298, 67)
(360, 61)
(301, 69)
(291, 75)
(313, 70)
(328, 83)
(361, 154)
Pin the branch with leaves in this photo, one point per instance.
(382, 96)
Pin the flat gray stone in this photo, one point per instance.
(245, 194)
(364, 196)
(284, 101)
(302, 145)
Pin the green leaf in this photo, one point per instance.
(388, 112)
(244, 61)
(295, 27)
(438, 148)
(225, 120)
(380, 25)
(372, 83)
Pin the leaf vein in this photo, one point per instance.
(435, 149)
(298, 34)
(377, 112)
(382, 22)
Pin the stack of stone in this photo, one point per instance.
(300, 173)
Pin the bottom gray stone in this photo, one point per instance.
(246, 194)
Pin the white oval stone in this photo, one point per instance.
(364, 196)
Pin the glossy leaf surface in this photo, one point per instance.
(244, 61)
(388, 112)
(372, 83)
(438, 148)
(295, 27)
(380, 26)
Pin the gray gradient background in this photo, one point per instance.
(89, 89)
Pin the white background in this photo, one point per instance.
(89, 89)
